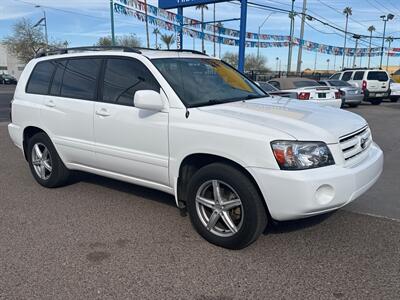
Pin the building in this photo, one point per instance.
(9, 63)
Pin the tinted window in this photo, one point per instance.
(40, 78)
(377, 75)
(305, 83)
(339, 83)
(346, 76)
(275, 84)
(80, 78)
(57, 79)
(267, 87)
(359, 75)
(123, 78)
(335, 76)
(322, 83)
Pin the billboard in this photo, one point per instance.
(167, 4)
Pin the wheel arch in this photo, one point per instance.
(29, 132)
(193, 162)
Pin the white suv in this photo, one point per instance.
(191, 126)
(374, 83)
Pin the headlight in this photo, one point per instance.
(293, 155)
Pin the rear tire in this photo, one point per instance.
(376, 101)
(45, 163)
(394, 99)
(353, 105)
(235, 220)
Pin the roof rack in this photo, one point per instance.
(352, 69)
(57, 51)
(88, 48)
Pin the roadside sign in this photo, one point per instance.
(167, 4)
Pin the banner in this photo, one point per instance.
(170, 21)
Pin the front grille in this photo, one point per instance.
(355, 143)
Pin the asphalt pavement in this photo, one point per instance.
(102, 239)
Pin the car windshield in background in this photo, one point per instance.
(203, 81)
(268, 87)
(339, 83)
(377, 75)
(305, 83)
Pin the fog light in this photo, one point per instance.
(324, 194)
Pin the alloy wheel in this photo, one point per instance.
(41, 161)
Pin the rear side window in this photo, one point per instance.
(80, 78)
(40, 78)
(58, 76)
(359, 75)
(123, 78)
(377, 75)
(346, 76)
(335, 76)
(275, 84)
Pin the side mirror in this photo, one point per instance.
(149, 100)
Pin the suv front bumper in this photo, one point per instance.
(298, 194)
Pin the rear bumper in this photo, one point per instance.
(299, 194)
(353, 99)
(15, 133)
(373, 94)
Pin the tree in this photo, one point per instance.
(168, 40)
(128, 40)
(156, 32)
(202, 7)
(220, 26)
(252, 62)
(25, 41)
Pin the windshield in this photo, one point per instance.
(339, 83)
(305, 83)
(205, 81)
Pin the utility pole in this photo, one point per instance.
(45, 25)
(214, 37)
(356, 37)
(112, 22)
(147, 24)
(277, 62)
(300, 53)
(384, 19)
(315, 61)
(348, 12)
(291, 16)
(389, 40)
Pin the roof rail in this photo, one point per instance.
(185, 50)
(353, 69)
(87, 48)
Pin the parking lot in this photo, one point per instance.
(100, 238)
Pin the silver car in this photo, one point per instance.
(351, 96)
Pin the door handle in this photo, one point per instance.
(50, 103)
(103, 112)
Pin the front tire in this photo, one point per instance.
(225, 207)
(45, 164)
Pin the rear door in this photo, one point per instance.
(357, 78)
(130, 141)
(377, 81)
(67, 113)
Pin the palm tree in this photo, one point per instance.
(156, 32)
(370, 29)
(390, 40)
(220, 25)
(168, 39)
(348, 12)
(202, 7)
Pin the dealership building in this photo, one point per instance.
(9, 63)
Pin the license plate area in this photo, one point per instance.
(321, 95)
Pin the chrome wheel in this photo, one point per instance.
(219, 208)
(41, 161)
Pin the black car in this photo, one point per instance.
(7, 79)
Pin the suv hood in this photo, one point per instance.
(301, 120)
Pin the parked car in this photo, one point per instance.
(192, 126)
(308, 90)
(373, 82)
(396, 76)
(394, 91)
(351, 96)
(7, 79)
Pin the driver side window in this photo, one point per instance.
(123, 78)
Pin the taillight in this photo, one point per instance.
(337, 95)
(303, 96)
(364, 85)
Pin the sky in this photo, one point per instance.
(83, 22)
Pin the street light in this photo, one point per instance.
(384, 19)
(45, 25)
(259, 32)
(328, 61)
(356, 37)
(277, 64)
